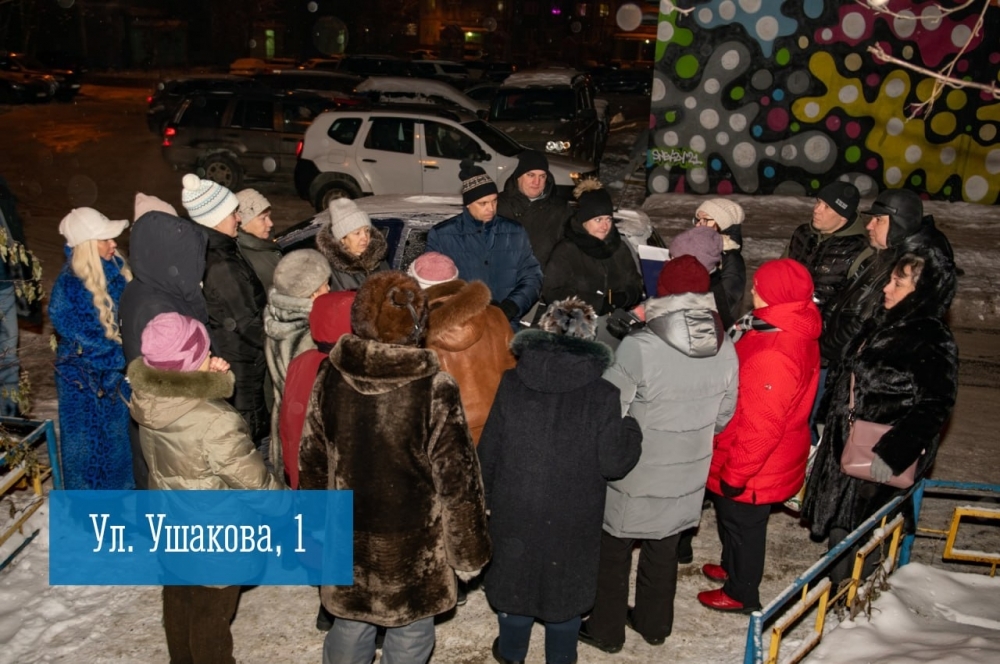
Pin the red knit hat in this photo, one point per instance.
(330, 317)
(683, 274)
(783, 280)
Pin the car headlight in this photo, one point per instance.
(558, 146)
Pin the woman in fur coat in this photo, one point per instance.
(90, 364)
(354, 248)
(905, 366)
(554, 437)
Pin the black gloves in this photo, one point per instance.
(510, 310)
(730, 491)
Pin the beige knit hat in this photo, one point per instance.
(723, 211)
(252, 203)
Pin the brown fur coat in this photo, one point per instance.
(385, 422)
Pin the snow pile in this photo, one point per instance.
(929, 615)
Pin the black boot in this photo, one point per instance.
(324, 619)
(685, 554)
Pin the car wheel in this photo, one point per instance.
(335, 189)
(224, 170)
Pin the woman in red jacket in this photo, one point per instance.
(760, 457)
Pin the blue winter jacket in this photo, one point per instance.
(498, 253)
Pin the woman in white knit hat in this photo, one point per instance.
(355, 249)
(254, 235)
(729, 282)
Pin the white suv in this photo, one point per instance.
(398, 149)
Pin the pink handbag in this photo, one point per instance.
(856, 461)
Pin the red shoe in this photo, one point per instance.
(715, 572)
(718, 600)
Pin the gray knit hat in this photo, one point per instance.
(207, 202)
(345, 217)
(301, 273)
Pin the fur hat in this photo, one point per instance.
(85, 224)
(346, 217)
(842, 197)
(252, 203)
(701, 242)
(207, 202)
(592, 201)
(145, 203)
(722, 211)
(330, 317)
(571, 317)
(432, 268)
(301, 273)
(783, 280)
(476, 183)
(391, 307)
(530, 160)
(682, 274)
(173, 342)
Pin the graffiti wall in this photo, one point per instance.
(783, 96)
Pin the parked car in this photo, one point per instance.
(406, 220)
(67, 80)
(336, 86)
(229, 136)
(374, 65)
(485, 70)
(19, 87)
(392, 89)
(554, 111)
(331, 63)
(441, 70)
(252, 66)
(483, 92)
(636, 80)
(162, 104)
(401, 149)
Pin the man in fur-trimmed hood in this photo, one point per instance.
(387, 423)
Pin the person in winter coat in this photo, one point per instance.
(489, 248)
(593, 261)
(760, 457)
(678, 377)
(904, 364)
(16, 282)
(167, 257)
(90, 378)
(300, 277)
(529, 198)
(705, 244)
(728, 283)
(554, 437)
(235, 299)
(385, 422)
(192, 439)
(254, 235)
(470, 336)
(355, 249)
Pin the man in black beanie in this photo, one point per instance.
(488, 247)
(529, 198)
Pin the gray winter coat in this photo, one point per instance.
(678, 377)
(286, 326)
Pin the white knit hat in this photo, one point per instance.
(723, 211)
(207, 202)
(83, 224)
(252, 203)
(346, 216)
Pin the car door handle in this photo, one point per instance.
(370, 161)
(428, 167)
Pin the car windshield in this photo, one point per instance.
(533, 104)
(493, 137)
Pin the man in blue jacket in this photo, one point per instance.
(489, 248)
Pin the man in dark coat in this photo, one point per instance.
(385, 422)
(529, 199)
(488, 247)
(236, 300)
(554, 437)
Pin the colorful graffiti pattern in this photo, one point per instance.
(737, 107)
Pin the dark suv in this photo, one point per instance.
(67, 80)
(168, 94)
(229, 136)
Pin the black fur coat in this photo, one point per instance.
(385, 422)
(905, 364)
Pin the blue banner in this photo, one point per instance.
(205, 538)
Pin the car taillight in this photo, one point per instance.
(298, 149)
(169, 133)
(149, 99)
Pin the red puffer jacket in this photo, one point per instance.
(765, 446)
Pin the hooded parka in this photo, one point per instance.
(348, 271)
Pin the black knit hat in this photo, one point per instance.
(842, 197)
(593, 201)
(530, 160)
(475, 183)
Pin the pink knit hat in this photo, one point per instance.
(172, 342)
(432, 268)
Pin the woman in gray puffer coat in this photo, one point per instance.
(354, 248)
(678, 377)
(299, 278)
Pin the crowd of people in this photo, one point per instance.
(488, 417)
